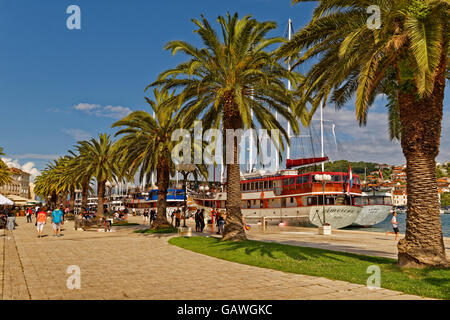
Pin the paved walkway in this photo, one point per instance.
(125, 265)
(359, 242)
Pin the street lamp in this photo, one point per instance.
(323, 178)
(185, 170)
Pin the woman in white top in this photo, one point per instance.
(394, 225)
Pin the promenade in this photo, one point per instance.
(126, 265)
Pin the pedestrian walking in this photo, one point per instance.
(145, 216)
(57, 218)
(197, 220)
(202, 219)
(41, 220)
(152, 216)
(177, 218)
(29, 215)
(10, 221)
(394, 225)
(220, 223)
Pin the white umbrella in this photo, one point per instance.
(5, 201)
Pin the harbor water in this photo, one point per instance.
(401, 218)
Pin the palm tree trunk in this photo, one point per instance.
(234, 225)
(163, 176)
(72, 199)
(101, 199)
(423, 244)
(84, 194)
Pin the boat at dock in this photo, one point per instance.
(287, 195)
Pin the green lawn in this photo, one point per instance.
(434, 283)
(164, 230)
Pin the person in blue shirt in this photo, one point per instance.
(57, 218)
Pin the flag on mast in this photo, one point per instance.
(380, 173)
(350, 179)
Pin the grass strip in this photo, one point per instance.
(349, 267)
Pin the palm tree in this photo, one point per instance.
(5, 173)
(98, 157)
(226, 81)
(146, 146)
(80, 175)
(409, 53)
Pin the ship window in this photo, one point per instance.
(266, 184)
(312, 201)
(336, 178)
(302, 179)
(292, 200)
(270, 184)
(261, 185)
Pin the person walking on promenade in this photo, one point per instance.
(145, 217)
(197, 220)
(202, 219)
(394, 225)
(41, 220)
(177, 218)
(152, 216)
(57, 217)
(220, 224)
(29, 215)
(10, 221)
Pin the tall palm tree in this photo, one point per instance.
(146, 145)
(410, 53)
(5, 173)
(80, 175)
(98, 157)
(227, 80)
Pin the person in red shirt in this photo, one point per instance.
(41, 221)
(29, 215)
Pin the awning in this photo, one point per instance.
(5, 201)
(18, 201)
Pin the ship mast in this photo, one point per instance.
(288, 152)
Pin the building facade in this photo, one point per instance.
(19, 185)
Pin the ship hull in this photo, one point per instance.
(372, 214)
(337, 216)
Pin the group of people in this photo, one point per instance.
(199, 220)
(176, 215)
(149, 217)
(42, 214)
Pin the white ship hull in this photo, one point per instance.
(337, 216)
(372, 214)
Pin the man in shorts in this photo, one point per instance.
(41, 221)
(57, 217)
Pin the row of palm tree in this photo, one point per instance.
(236, 81)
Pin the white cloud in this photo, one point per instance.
(115, 112)
(28, 167)
(78, 134)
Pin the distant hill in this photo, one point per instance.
(342, 166)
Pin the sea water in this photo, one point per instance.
(401, 218)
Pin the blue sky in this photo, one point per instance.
(58, 85)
